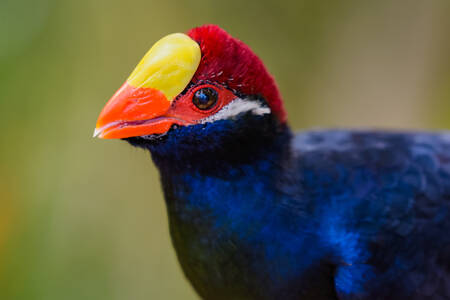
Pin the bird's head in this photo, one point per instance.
(196, 91)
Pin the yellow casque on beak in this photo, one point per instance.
(160, 76)
(168, 66)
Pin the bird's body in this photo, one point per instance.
(340, 215)
(257, 212)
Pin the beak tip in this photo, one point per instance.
(97, 133)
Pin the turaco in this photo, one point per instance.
(258, 212)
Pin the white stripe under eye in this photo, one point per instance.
(236, 107)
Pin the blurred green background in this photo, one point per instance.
(84, 219)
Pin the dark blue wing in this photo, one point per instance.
(383, 204)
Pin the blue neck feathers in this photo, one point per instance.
(229, 188)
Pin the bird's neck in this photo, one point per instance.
(219, 152)
(213, 148)
(231, 208)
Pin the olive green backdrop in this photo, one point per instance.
(82, 218)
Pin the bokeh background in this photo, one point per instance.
(85, 219)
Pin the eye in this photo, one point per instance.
(205, 98)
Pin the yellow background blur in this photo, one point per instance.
(82, 218)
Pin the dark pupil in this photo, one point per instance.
(205, 98)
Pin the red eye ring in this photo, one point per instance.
(205, 98)
(184, 109)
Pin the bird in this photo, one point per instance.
(258, 211)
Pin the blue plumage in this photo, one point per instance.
(319, 215)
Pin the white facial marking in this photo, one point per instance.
(236, 107)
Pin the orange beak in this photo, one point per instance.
(138, 108)
(134, 112)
